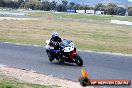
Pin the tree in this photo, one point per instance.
(129, 11)
(121, 11)
(111, 9)
(61, 8)
(77, 6)
(71, 5)
(64, 5)
(45, 5)
(81, 7)
(53, 5)
(8, 3)
(32, 4)
(86, 7)
(100, 7)
(2, 3)
(64, 2)
(19, 3)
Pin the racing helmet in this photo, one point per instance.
(55, 36)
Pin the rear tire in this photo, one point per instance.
(78, 60)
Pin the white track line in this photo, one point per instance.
(1, 65)
(109, 53)
(22, 44)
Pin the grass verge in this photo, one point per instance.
(9, 82)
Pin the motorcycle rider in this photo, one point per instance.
(52, 48)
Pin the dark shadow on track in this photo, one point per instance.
(64, 64)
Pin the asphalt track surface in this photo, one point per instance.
(99, 66)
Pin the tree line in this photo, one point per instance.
(110, 9)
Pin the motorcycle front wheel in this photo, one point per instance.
(78, 60)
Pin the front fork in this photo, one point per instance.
(72, 54)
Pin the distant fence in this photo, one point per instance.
(71, 10)
(85, 11)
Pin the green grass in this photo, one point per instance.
(85, 17)
(21, 85)
(21, 40)
(9, 82)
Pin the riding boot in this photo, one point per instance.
(50, 55)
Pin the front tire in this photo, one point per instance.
(78, 60)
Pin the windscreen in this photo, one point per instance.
(65, 43)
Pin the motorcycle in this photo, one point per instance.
(66, 53)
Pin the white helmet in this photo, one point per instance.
(55, 34)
